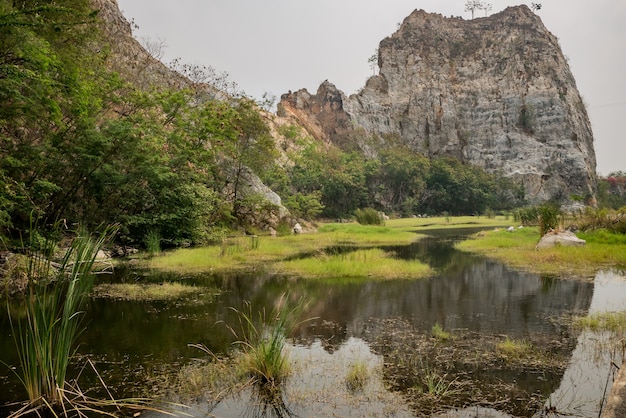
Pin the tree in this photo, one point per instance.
(474, 5)
(402, 177)
(373, 61)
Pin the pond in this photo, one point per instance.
(388, 325)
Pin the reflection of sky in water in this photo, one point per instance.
(317, 387)
(590, 372)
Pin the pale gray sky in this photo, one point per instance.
(280, 45)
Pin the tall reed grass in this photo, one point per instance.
(46, 337)
(262, 338)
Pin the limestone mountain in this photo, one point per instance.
(496, 92)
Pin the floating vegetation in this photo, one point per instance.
(148, 291)
(436, 375)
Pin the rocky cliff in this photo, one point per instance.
(495, 92)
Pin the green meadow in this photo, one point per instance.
(603, 250)
(308, 255)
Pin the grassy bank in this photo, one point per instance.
(603, 250)
(246, 253)
(374, 263)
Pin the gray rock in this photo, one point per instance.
(556, 238)
(496, 92)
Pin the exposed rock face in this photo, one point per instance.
(128, 57)
(135, 64)
(496, 92)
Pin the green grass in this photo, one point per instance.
(46, 337)
(514, 348)
(146, 292)
(605, 321)
(262, 338)
(244, 253)
(357, 376)
(438, 332)
(364, 263)
(603, 250)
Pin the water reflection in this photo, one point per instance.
(131, 340)
(588, 379)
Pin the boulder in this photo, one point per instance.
(559, 238)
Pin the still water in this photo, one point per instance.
(132, 343)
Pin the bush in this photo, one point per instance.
(369, 216)
(549, 217)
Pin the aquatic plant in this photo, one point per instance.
(514, 348)
(357, 376)
(604, 321)
(438, 332)
(262, 339)
(436, 385)
(45, 339)
(147, 292)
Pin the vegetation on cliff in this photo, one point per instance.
(83, 144)
(80, 144)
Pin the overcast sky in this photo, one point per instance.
(279, 45)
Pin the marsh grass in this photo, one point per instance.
(369, 216)
(261, 337)
(244, 253)
(604, 321)
(211, 379)
(46, 337)
(436, 385)
(152, 242)
(514, 348)
(357, 376)
(603, 250)
(439, 333)
(147, 292)
(367, 263)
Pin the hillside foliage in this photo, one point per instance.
(79, 144)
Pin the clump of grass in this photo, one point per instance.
(367, 263)
(369, 216)
(212, 379)
(357, 376)
(144, 292)
(152, 242)
(438, 332)
(436, 385)
(514, 348)
(262, 340)
(604, 321)
(46, 338)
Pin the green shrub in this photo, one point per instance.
(369, 216)
(549, 217)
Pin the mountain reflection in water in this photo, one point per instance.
(469, 293)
